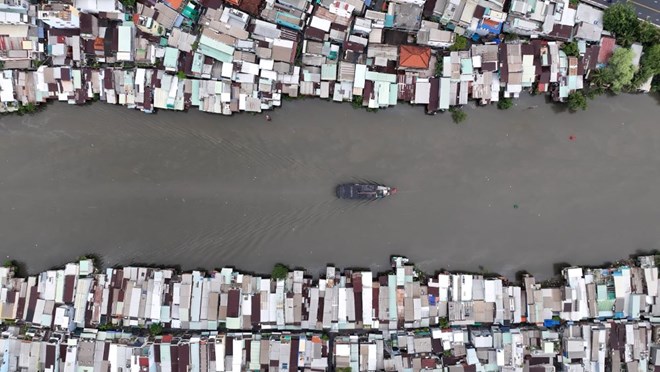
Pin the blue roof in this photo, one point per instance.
(389, 20)
(178, 21)
(491, 29)
(281, 19)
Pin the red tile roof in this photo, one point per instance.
(413, 56)
(606, 49)
(252, 7)
(174, 4)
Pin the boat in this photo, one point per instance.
(364, 191)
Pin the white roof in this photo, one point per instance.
(125, 41)
(6, 87)
(227, 69)
(443, 104)
(360, 76)
(10, 17)
(320, 23)
(589, 14)
(637, 53)
(95, 6)
(476, 61)
(422, 92)
(249, 68)
(266, 64)
(568, 17)
(272, 75)
(343, 350)
(15, 30)
(283, 43)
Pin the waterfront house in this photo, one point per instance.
(589, 23)
(414, 57)
(397, 305)
(430, 34)
(607, 46)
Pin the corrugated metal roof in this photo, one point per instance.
(215, 49)
(329, 72)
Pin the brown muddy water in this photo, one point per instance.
(200, 190)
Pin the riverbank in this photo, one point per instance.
(401, 297)
(83, 315)
(193, 189)
(218, 59)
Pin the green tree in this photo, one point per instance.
(128, 4)
(576, 101)
(649, 66)
(11, 264)
(597, 78)
(357, 102)
(571, 49)
(438, 66)
(648, 34)
(279, 272)
(510, 37)
(620, 70)
(592, 92)
(535, 88)
(181, 75)
(504, 103)
(26, 109)
(458, 115)
(105, 327)
(461, 43)
(344, 369)
(156, 329)
(621, 19)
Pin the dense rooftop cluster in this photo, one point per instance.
(249, 55)
(590, 319)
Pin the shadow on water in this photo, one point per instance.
(557, 107)
(656, 96)
(558, 267)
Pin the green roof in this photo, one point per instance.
(195, 93)
(197, 63)
(171, 57)
(215, 49)
(328, 72)
(466, 66)
(605, 305)
(190, 12)
(393, 99)
(77, 79)
(379, 76)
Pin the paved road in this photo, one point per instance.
(646, 9)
